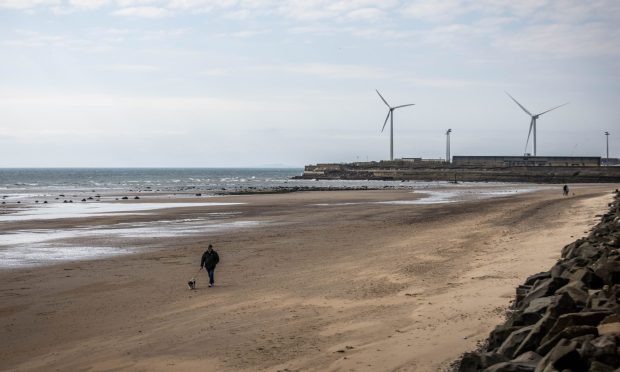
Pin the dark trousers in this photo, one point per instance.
(211, 273)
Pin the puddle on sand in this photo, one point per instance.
(444, 196)
(77, 210)
(44, 254)
(37, 247)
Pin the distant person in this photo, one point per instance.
(566, 191)
(209, 260)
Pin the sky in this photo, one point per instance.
(267, 83)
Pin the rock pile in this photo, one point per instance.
(567, 318)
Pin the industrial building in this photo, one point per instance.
(526, 161)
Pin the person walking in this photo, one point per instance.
(565, 189)
(209, 260)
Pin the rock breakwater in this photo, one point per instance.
(567, 318)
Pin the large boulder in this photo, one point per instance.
(543, 288)
(575, 319)
(531, 280)
(524, 363)
(603, 349)
(474, 362)
(587, 277)
(499, 335)
(588, 250)
(534, 311)
(563, 356)
(563, 303)
(597, 366)
(567, 333)
(609, 329)
(578, 294)
(605, 299)
(608, 269)
(566, 267)
(532, 340)
(512, 343)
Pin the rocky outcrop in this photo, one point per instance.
(567, 318)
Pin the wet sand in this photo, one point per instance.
(352, 285)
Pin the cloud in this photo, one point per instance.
(245, 33)
(88, 4)
(203, 103)
(450, 83)
(365, 14)
(435, 10)
(129, 68)
(215, 72)
(561, 40)
(129, 3)
(200, 6)
(143, 12)
(312, 10)
(27, 4)
(26, 38)
(331, 71)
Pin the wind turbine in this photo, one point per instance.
(533, 122)
(390, 116)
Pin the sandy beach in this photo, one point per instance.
(339, 281)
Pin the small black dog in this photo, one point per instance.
(192, 284)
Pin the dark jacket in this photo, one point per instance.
(209, 260)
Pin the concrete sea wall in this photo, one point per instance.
(400, 170)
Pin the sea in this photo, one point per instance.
(165, 179)
(208, 180)
(32, 200)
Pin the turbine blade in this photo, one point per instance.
(523, 108)
(528, 134)
(383, 99)
(564, 104)
(386, 119)
(411, 104)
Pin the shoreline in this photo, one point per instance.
(293, 293)
(49, 230)
(565, 317)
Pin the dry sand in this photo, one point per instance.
(341, 287)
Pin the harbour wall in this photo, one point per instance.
(435, 171)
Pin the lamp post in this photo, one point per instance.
(448, 145)
(607, 138)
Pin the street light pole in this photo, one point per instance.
(607, 138)
(448, 145)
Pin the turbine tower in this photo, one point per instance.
(390, 116)
(607, 137)
(448, 145)
(533, 122)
